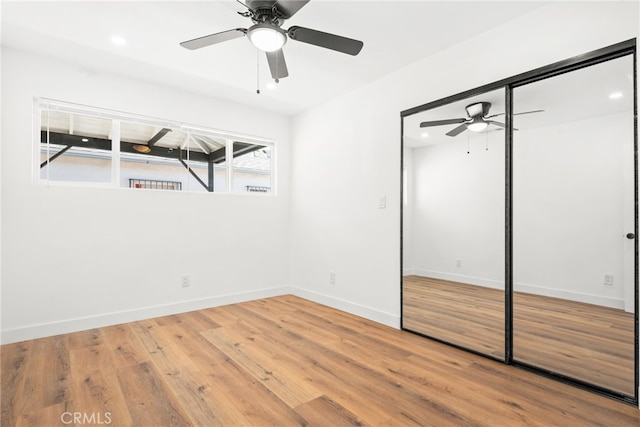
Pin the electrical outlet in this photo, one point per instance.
(458, 263)
(185, 280)
(332, 277)
(608, 279)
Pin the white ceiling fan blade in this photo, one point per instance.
(205, 41)
(277, 64)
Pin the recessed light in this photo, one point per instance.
(85, 139)
(615, 95)
(118, 40)
(425, 134)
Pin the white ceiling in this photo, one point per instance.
(395, 34)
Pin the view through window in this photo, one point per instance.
(91, 146)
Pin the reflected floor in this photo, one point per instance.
(582, 341)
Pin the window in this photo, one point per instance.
(74, 147)
(83, 145)
(251, 168)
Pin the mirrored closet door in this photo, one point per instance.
(573, 225)
(453, 223)
(519, 221)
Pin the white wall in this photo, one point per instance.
(75, 258)
(458, 210)
(346, 152)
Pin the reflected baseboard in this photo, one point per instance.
(600, 300)
(453, 277)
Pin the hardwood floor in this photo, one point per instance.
(583, 341)
(280, 361)
(455, 312)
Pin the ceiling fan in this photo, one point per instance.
(266, 34)
(477, 119)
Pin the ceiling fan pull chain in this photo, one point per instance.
(468, 144)
(257, 71)
(486, 148)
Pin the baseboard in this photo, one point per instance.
(107, 319)
(479, 281)
(569, 295)
(369, 313)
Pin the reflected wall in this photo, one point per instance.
(453, 278)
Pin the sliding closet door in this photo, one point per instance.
(453, 223)
(574, 225)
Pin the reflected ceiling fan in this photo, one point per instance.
(266, 34)
(477, 119)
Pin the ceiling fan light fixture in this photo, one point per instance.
(477, 126)
(267, 37)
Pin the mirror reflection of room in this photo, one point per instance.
(573, 224)
(453, 224)
(573, 206)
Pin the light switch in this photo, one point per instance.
(382, 202)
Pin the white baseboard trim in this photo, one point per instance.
(369, 313)
(115, 318)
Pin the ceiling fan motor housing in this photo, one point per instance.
(266, 12)
(478, 109)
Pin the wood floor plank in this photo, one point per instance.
(212, 372)
(84, 339)
(126, 349)
(178, 371)
(239, 399)
(85, 361)
(98, 395)
(197, 321)
(51, 415)
(149, 400)
(282, 361)
(322, 411)
(46, 375)
(263, 367)
(13, 358)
